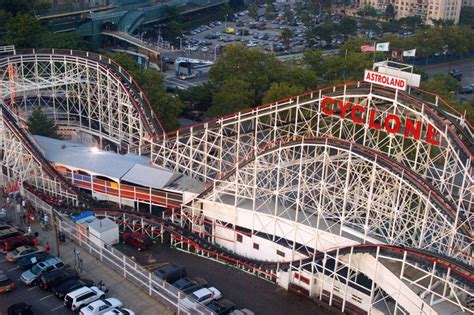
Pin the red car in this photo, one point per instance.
(13, 242)
(137, 239)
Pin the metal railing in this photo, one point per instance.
(130, 270)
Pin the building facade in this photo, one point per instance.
(429, 10)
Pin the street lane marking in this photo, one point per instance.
(32, 288)
(47, 296)
(57, 308)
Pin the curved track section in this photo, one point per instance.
(337, 186)
(209, 150)
(82, 90)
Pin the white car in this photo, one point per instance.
(202, 296)
(101, 306)
(120, 311)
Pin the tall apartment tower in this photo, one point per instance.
(427, 9)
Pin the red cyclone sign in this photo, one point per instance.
(391, 123)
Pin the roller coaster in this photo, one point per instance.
(363, 219)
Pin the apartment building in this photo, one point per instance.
(427, 9)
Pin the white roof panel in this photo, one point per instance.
(102, 225)
(148, 176)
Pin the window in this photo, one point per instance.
(239, 238)
(256, 246)
(280, 253)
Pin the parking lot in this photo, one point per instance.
(245, 290)
(44, 302)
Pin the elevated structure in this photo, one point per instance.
(358, 195)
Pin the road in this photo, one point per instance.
(245, 290)
(465, 66)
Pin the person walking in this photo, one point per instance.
(48, 248)
(29, 229)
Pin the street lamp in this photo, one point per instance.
(180, 43)
(215, 52)
(141, 36)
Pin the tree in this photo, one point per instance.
(270, 12)
(250, 65)
(173, 30)
(442, 84)
(286, 36)
(467, 16)
(281, 90)
(253, 13)
(302, 76)
(15, 6)
(40, 125)
(347, 26)
(24, 31)
(234, 95)
(289, 15)
(166, 107)
(126, 61)
(70, 40)
(171, 13)
(389, 11)
(313, 58)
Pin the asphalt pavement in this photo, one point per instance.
(245, 290)
(465, 66)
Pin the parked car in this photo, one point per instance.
(202, 296)
(137, 239)
(221, 307)
(71, 285)
(9, 232)
(120, 311)
(171, 273)
(20, 309)
(456, 74)
(23, 251)
(4, 225)
(76, 299)
(101, 306)
(31, 276)
(6, 284)
(51, 279)
(29, 261)
(189, 285)
(244, 311)
(467, 89)
(14, 242)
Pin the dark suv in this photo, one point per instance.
(189, 285)
(137, 239)
(171, 273)
(54, 278)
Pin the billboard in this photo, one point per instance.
(385, 80)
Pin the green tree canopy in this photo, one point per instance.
(443, 85)
(347, 26)
(40, 125)
(234, 95)
(390, 11)
(253, 13)
(286, 36)
(249, 65)
(24, 31)
(281, 90)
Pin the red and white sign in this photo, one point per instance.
(385, 80)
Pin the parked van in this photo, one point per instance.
(31, 276)
(81, 297)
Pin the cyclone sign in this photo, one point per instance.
(385, 80)
(390, 123)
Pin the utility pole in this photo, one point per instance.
(56, 233)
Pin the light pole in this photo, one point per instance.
(141, 36)
(180, 43)
(215, 52)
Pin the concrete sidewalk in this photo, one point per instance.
(132, 296)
